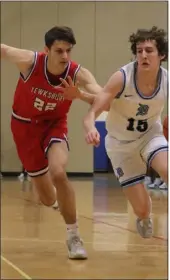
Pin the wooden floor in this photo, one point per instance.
(33, 236)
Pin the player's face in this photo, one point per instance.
(59, 53)
(147, 55)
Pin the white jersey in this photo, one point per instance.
(131, 113)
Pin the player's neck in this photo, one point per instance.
(57, 70)
(148, 77)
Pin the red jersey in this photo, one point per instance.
(36, 98)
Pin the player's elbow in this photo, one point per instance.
(107, 108)
(3, 50)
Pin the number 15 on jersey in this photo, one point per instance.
(139, 125)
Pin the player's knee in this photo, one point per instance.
(162, 170)
(47, 200)
(164, 173)
(59, 176)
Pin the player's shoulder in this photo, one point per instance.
(128, 72)
(74, 63)
(74, 66)
(41, 54)
(128, 67)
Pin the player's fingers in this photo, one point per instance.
(98, 137)
(89, 139)
(64, 82)
(96, 140)
(77, 84)
(93, 139)
(70, 81)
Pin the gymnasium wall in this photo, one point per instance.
(102, 30)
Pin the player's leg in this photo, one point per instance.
(33, 159)
(160, 164)
(32, 155)
(130, 171)
(156, 155)
(65, 192)
(46, 190)
(57, 157)
(136, 193)
(140, 200)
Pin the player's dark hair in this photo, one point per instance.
(61, 33)
(159, 35)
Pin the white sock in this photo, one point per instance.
(55, 204)
(72, 229)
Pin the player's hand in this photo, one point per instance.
(93, 137)
(70, 90)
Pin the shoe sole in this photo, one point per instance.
(77, 257)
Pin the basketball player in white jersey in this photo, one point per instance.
(136, 95)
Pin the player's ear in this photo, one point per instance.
(46, 49)
(162, 57)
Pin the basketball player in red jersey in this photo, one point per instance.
(39, 121)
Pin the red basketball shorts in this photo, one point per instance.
(33, 141)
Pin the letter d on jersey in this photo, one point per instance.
(119, 172)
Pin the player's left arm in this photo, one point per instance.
(85, 88)
(87, 81)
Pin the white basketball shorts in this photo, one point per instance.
(130, 159)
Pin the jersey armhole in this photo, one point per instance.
(124, 83)
(25, 79)
(75, 73)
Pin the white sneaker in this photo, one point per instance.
(144, 227)
(75, 248)
(152, 186)
(147, 180)
(21, 177)
(158, 182)
(163, 186)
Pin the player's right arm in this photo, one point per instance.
(23, 59)
(102, 100)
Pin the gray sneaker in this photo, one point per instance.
(163, 186)
(75, 248)
(144, 227)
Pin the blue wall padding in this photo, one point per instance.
(100, 156)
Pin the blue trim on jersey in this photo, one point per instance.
(124, 83)
(156, 90)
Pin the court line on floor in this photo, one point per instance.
(86, 242)
(106, 223)
(120, 227)
(16, 268)
(112, 225)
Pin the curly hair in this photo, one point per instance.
(159, 35)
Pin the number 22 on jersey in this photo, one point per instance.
(42, 106)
